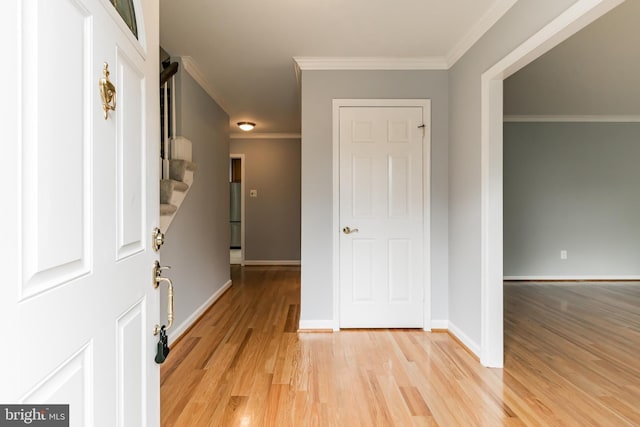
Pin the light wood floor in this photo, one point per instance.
(571, 356)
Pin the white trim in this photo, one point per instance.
(491, 267)
(582, 13)
(178, 331)
(488, 20)
(298, 73)
(312, 325)
(572, 119)
(266, 135)
(272, 262)
(243, 228)
(473, 346)
(426, 168)
(335, 227)
(370, 63)
(191, 67)
(612, 277)
(426, 213)
(139, 43)
(439, 324)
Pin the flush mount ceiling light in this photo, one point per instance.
(246, 126)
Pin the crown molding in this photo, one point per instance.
(369, 63)
(571, 119)
(487, 21)
(191, 67)
(266, 135)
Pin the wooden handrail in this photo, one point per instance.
(168, 72)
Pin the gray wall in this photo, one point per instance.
(523, 20)
(574, 187)
(197, 242)
(272, 228)
(319, 88)
(593, 72)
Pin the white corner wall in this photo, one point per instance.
(520, 23)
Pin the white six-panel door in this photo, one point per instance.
(382, 262)
(80, 205)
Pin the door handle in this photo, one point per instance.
(348, 230)
(157, 279)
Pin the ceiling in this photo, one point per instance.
(243, 50)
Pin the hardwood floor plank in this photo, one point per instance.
(293, 316)
(179, 356)
(181, 393)
(415, 402)
(234, 413)
(258, 399)
(571, 358)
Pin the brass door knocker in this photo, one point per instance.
(107, 92)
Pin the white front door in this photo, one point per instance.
(382, 216)
(78, 307)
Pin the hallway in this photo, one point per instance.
(243, 364)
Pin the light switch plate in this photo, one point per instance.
(253, 193)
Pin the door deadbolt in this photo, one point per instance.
(157, 239)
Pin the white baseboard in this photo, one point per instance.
(330, 324)
(316, 324)
(272, 262)
(583, 278)
(439, 324)
(184, 326)
(464, 339)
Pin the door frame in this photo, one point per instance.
(578, 16)
(242, 219)
(426, 196)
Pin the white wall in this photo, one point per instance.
(197, 242)
(523, 20)
(272, 220)
(319, 88)
(573, 187)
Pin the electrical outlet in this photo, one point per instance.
(563, 254)
(253, 193)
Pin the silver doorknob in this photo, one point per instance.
(348, 230)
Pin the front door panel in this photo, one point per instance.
(79, 294)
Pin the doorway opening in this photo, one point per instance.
(581, 14)
(236, 209)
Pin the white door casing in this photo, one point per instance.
(383, 157)
(81, 203)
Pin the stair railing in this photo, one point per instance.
(167, 84)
